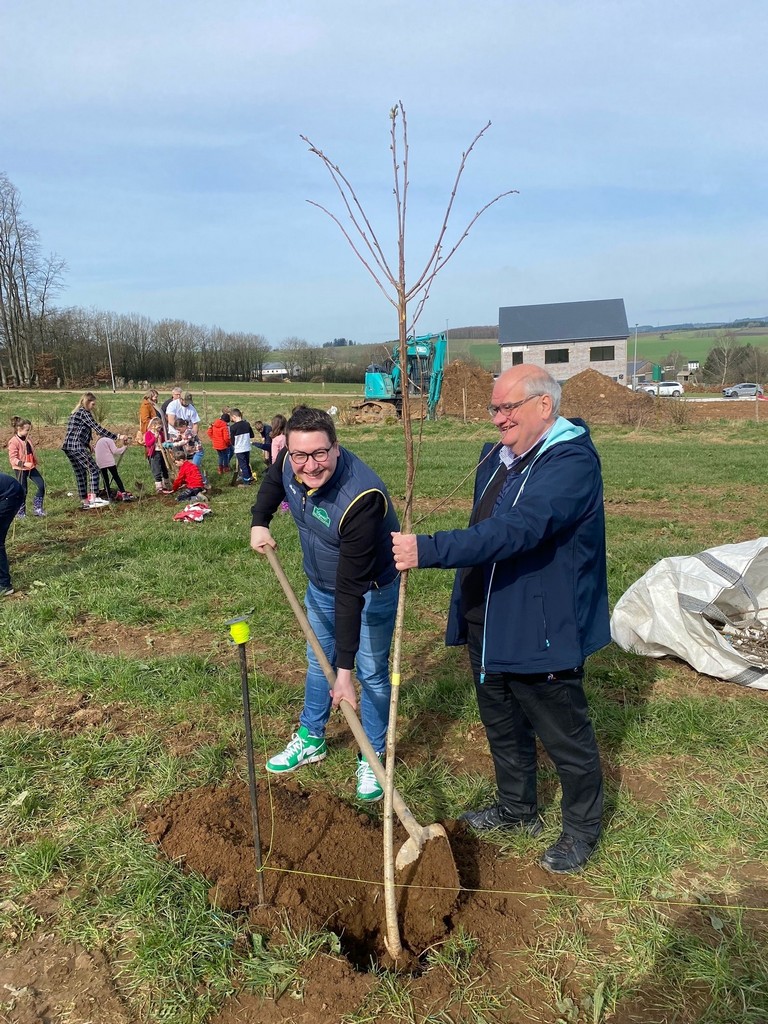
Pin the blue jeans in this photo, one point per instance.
(371, 662)
(244, 465)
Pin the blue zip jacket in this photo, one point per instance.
(544, 553)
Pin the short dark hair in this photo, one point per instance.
(308, 420)
(236, 412)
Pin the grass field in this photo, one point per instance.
(116, 650)
(694, 345)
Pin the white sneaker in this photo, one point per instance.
(368, 788)
(94, 501)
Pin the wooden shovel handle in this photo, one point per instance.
(410, 824)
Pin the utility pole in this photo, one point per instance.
(634, 364)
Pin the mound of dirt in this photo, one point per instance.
(317, 835)
(593, 397)
(466, 391)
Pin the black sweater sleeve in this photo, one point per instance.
(271, 493)
(357, 560)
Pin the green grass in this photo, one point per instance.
(69, 802)
(693, 345)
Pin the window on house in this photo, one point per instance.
(517, 358)
(556, 355)
(601, 353)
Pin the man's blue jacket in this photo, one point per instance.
(544, 553)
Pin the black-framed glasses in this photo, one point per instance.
(508, 407)
(320, 455)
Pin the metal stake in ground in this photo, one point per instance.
(241, 634)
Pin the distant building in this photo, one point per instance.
(566, 338)
(271, 371)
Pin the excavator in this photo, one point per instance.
(425, 359)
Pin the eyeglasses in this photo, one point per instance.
(320, 455)
(508, 407)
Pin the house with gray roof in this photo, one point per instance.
(566, 338)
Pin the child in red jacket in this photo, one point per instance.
(189, 480)
(221, 441)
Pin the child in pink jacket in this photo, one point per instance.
(23, 461)
(104, 452)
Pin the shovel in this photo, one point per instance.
(418, 835)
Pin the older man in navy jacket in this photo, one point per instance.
(530, 600)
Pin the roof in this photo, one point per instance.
(563, 321)
(274, 366)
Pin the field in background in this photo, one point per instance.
(694, 345)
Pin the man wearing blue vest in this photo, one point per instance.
(530, 600)
(345, 519)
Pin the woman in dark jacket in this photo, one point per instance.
(77, 448)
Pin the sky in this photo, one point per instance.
(157, 148)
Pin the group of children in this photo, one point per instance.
(232, 436)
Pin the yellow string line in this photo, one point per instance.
(628, 900)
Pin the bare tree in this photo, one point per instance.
(295, 355)
(721, 356)
(401, 293)
(27, 280)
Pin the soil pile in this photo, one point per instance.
(323, 868)
(317, 835)
(466, 391)
(593, 397)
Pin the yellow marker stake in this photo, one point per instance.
(240, 632)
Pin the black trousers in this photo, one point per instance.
(105, 474)
(515, 708)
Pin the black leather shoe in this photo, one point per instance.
(491, 818)
(568, 855)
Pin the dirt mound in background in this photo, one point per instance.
(590, 395)
(466, 391)
(593, 397)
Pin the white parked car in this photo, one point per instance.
(743, 390)
(663, 388)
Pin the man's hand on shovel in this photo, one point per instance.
(261, 538)
(344, 689)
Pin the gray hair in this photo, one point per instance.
(542, 383)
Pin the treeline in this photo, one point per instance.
(728, 362)
(45, 346)
(84, 347)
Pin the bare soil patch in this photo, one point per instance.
(29, 703)
(44, 980)
(118, 638)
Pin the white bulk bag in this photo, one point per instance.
(676, 608)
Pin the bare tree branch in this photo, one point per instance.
(355, 250)
(348, 196)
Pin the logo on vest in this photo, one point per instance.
(322, 515)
